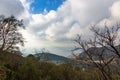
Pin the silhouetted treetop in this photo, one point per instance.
(9, 34)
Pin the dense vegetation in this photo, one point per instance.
(16, 67)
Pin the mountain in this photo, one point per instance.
(49, 57)
(96, 52)
(73, 56)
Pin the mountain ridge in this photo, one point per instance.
(95, 52)
(46, 56)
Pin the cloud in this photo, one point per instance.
(8, 7)
(87, 11)
(57, 28)
(40, 21)
(71, 18)
(73, 31)
(115, 10)
(53, 24)
(114, 17)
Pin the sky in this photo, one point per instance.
(38, 6)
(54, 24)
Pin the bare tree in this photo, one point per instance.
(106, 39)
(9, 34)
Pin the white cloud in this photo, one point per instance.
(40, 19)
(114, 17)
(71, 18)
(87, 11)
(58, 24)
(8, 7)
(115, 10)
(57, 30)
(75, 29)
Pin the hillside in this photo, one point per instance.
(52, 57)
(95, 52)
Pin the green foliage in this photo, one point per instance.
(30, 68)
(2, 73)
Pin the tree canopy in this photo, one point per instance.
(9, 34)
